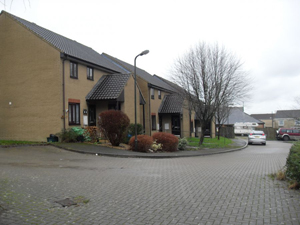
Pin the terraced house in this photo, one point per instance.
(50, 82)
(166, 110)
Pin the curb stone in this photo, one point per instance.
(129, 154)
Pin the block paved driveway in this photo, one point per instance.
(231, 188)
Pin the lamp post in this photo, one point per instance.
(135, 125)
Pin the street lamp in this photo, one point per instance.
(135, 125)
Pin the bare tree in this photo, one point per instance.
(222, 114)
(6, 2)
(211, 78)
(297, 101)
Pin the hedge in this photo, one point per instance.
(293, 163)
(169, 141)
(144, 143)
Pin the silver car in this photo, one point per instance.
(257, 137)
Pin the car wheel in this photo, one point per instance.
(286, 138)
(249, 143)
(264, 143)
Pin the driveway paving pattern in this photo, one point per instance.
(231, 188)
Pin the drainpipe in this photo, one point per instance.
(63, 90)
(150, 116)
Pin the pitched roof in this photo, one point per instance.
(108, 87)
(171, 104)
(141, 73)
(236, 115)
(288, 114)
(173, 85)
(266, 116)
(66, 45)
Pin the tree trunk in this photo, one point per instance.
(201, 138)
(219, 128)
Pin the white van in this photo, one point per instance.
(244, 128)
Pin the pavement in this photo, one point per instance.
(238, 144)
(221, 189)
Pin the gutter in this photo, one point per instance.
(160, 88)
(83, 62)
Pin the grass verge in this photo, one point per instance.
(210, 142)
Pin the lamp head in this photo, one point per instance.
(144, 52)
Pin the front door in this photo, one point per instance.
(176, 125)
(92, 115)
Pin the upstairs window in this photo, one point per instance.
(159, 95)
(90, 73)
(152, 93)
(280, 123)
(73, 70)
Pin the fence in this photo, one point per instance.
(269, 132)
(227, 132)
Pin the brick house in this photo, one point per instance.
(287, 118)
(267, 118)
(165, 110)
(49, 83)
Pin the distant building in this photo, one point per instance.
(241, 121)
(267, 118)
(287, 118)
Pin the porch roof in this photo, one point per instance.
(171, 104)
(108, 87)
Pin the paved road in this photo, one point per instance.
(231, 188)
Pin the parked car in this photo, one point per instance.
(257, 137)
(287, 134)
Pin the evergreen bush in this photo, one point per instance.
(169, 141)
(144, 143)
(293, 163)
(183, 142)
(131, 131)
(114, 125)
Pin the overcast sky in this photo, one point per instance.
(264, 34)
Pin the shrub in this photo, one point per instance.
(91, 134)
(294, 185)
(79, 133)
(280, 175)
(68, 135)
(155, 146)
(144, 143)
(114, 125)
(169, 141)
(131, 131)
(183, 142)
(293, 163)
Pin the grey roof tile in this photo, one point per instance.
(265, 116)
(171, 104)
(287, 114)
(236, 115)
(108, 87)
(141, 73)
(175, 87)
(67, 46)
